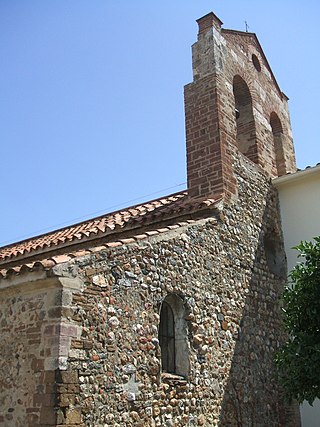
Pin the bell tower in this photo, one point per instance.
(234, 106)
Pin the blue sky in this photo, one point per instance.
(91, 99)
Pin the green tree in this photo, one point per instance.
(298, 361)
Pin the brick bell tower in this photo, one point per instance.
(234, 105)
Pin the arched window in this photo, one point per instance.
(167, 338)
(173, 336)
(277, 133)
(246, 130)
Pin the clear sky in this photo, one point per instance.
(91, 99)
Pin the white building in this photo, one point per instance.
(299, 195)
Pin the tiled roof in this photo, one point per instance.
(297, 175)
(111, 226)
(47, 263)
(309, 167)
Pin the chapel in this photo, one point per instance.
(165, 313)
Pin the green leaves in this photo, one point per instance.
(298, 360)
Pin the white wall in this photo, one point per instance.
(299, 195)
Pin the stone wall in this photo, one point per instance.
(229, 270)
(35, 342)
(20, 370)
(80, 344)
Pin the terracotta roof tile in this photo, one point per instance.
(126, 241)
(61, 258)
(140, 236)
(46, 263)
(173, 227)
(152, 232)
(114, 244)
(109, 226)
(95, 249)
(162, 230)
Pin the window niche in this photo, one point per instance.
(173, 336)
(245, 124)
(275, 255)
(256, 63)
(277, 133)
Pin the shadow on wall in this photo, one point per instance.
(251, 395)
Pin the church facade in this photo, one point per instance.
(166, 313)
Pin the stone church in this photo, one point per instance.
(165, 313)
